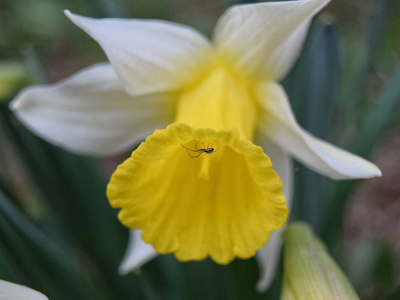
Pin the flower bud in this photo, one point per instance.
(309, 271)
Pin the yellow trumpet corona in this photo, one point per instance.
(223, 202)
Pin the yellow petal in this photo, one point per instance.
(222, 204)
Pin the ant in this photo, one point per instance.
(200, 151)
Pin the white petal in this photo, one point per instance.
(149, 56)
(265, 39)
(279, 124)
(90, 113)
(268, 260)
(12, 291)
(268, 256)
(137, 254)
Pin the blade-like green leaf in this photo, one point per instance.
(9, 268)
(47, 264)
(312, 87)
(73, 187)
(360, 62)
(379, 118)
(394, 295)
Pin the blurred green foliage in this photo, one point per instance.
(57, 231)
(13, 76)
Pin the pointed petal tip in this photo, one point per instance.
(74, 113)
(20, 101)
(123, 269)
(260, 288)
(68, 14)
(375, 171)
(15, 105)
(135, 259)
(320, 156)
(137, 253)
(149, 56)
(267, 259)
(264, 284)
(274, 49)
(74, 18)
(366, 170)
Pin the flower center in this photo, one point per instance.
(220, 100)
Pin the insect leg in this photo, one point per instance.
(189, 149)
(193, 156)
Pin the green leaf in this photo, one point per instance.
(379, 118)
(358, 65)
(371, 264)
(74, 189)
(394, 295)
(13, 76)
(312, 87)
(54, 270)
(9, 268)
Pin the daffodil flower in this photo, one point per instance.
(200, 186)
